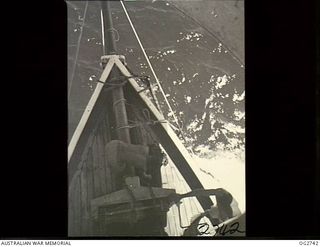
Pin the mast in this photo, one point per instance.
(108, 38)
(119, 105)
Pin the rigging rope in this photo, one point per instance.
(102, 34)
(149, 63)
(154, 74)
(78, 48)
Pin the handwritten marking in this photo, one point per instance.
(203, 229)
(201, 226)
(224, 229)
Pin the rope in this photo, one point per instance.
(78, 48)
(147, 116)
(118, 101)
(149, 121)
(116, 32)
(154, 74)
(102, 33)
(143, 51)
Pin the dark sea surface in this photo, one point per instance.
(202, 80)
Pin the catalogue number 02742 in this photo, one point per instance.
(309, 242)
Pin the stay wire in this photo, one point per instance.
(143, 50)
(152, 70)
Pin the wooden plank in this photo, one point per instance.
(175, 219)
(84, 201)
(89, 175)
(77, 203)
(100, 152)
(172, 215)
(105, 130)
(187, 205)
(96, 170)
(71, 212)
(164, 177)
(180, 189)
(74, 200)
(105, 139)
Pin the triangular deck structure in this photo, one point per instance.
(89, 175)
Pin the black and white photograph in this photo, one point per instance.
(156, 118)
(134, 121)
